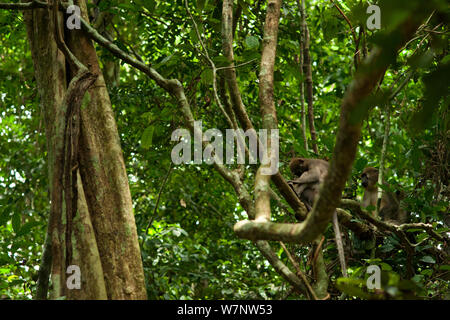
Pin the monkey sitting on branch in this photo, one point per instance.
(390, 209)
(309, 175)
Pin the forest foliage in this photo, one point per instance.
(185, 213)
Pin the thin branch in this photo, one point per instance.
(145, 13)
(318, 248)
(299, 271)
(352, 30)
(275, 196)
(280, 267)
(347, 20)
(307, 71)
(425, 226)
(387, 128)
(302, 83)
(236, 66)
(159, 197)
(137, 56)
(401, 86)
(213, 66)
(422, 27)
(360, 229)
(355, 206)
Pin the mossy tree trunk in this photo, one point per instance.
(103, 235)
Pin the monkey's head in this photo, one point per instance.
(298, 166)
(369, 177)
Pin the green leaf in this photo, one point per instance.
(150, 5)
(207, 77)
(251, 42)
(221, 61)
(127, 6)
(27, 228)
(16, 222)
(428, 259)
(4, 215)
(164, 61)
(201, 4)
(446, 59)
(352, 287)
(385, 267)
(147, 137)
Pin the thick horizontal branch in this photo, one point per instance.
(424, 226)
(288, 232)
(360, 229)
(355, 206)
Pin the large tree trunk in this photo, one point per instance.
(104, 238)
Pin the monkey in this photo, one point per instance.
(309, 175)
(369, 180)
(390, 209)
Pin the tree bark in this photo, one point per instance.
(308, 79)
(302, 83)
(104, 237)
